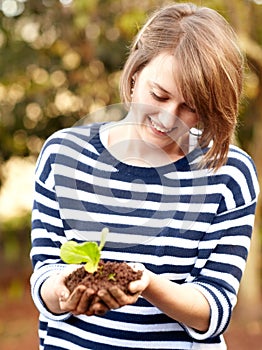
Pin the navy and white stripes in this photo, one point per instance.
(187, 224)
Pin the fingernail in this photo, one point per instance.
(64, 295)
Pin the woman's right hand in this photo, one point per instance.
(58, 298)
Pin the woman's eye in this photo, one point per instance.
(157, 97)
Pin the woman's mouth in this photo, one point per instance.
(159, 129)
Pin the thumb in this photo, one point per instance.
(62, 291)
(63, 295)
(136, 266)
(140, 285)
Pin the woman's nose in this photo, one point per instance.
(167, 120)
(168, 116)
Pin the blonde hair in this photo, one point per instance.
(210, 65)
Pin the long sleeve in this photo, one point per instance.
(47, 228)
(224, 248)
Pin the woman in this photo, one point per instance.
(178, 198)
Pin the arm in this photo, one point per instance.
(49, 292)
(203, 304)
(47, 281)
(183, 303)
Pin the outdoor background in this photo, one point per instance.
(59, 61)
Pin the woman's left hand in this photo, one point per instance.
(114, 297)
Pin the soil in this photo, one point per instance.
(108, 274)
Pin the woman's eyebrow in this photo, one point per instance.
(154, 84)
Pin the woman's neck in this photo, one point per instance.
(126, 146)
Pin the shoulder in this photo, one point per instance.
(65, 146)
(75, 138)
(240, 162)
(74, 133)
(239, 157)
(239, 176)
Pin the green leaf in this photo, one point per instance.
(74, 253)
(87, 252)
(103, 237)
(91, 266)
(69, 253)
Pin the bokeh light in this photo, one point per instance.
(12, 8)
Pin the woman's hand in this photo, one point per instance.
(114, 297)
(83, 300)
(78, 302)
(58, 299)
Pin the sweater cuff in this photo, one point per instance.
(37, 279)
(219, 313)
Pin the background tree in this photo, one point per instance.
(246, 17)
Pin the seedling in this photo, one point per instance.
(87, 252)
(111, 277)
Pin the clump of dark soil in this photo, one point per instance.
(108, 274)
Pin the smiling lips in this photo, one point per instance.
(158, 129)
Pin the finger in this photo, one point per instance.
(136, 286)
(120, 296)
(61, 290)
(108, 299)
(84, 301)
(140, 285)
(94, 300)
(63, 295)
(71, 303)
(98, 309)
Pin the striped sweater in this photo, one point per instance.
(187, 224)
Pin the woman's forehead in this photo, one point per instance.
(163, 70)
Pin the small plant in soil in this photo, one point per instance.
(96, 273)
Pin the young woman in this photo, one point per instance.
(178, 198)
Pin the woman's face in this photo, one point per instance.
(160, 114)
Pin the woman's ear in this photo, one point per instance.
(133, 80)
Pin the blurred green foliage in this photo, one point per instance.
(12, 238)
(57, 64)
